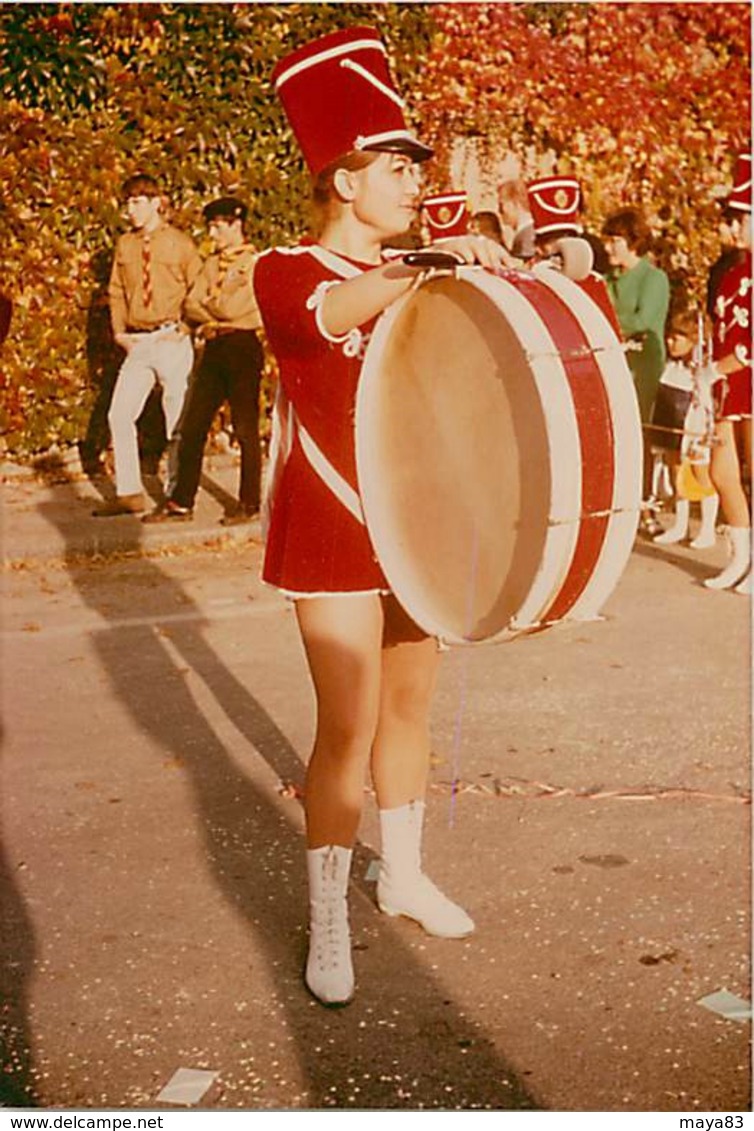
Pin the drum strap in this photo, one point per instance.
(285, 424)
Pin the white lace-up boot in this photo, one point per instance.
(739, 538)
(329, 970)
(676, 532)
(706, 534)
(402, 887)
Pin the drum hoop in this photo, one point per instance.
(627, 440)
(596, 442)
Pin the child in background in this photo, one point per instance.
(681, 421)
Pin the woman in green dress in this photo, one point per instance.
(641, 296)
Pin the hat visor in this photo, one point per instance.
(409, 147)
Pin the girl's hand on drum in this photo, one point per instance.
(476, 249)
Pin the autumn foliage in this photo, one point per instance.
(645, 103)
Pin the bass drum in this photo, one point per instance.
(498, 445)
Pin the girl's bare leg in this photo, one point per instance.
(743, 440)
(725, 471)
(342, 638)
(401, 749)
(400, 765)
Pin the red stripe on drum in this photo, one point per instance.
(595, 430)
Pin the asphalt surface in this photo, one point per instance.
(157, 717)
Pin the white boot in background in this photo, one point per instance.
(744, 586)
(706, 534)
(402, 887)
(676, 532)
(739, 538)
(329, 970)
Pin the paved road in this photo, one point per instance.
(153, 881)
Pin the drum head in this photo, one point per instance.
(454, 462)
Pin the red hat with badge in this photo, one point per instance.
(740, 196)
(446, 214)
(338, 96)
(554, 203)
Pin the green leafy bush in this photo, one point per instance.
(92, 93)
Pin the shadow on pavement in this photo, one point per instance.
(226, 500)
(17, 953)
(696, 569)
(404, 1039)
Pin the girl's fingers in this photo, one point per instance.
(476, 249)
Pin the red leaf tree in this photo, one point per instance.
(646, 104)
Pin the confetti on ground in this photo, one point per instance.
(608, 860)
(290, 791)
(727, 1005)
(186, 1086)
(523, 789)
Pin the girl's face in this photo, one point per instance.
(679, 345)
(386, 194)
(617, 250)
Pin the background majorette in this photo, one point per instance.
(740, 195)
(554, 203)
(446, 214)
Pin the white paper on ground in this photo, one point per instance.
(373, 871)
(727, 1005)
(186, 1086)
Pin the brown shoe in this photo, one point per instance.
(169, 512)
(239, 516)
(121, 504)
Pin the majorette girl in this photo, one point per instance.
(732, 356)
(373, 669)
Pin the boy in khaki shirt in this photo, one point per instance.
(222, 302)
(154, 268)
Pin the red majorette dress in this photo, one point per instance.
(731, 333)
(316, 542)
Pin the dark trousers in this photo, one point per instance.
(229, 371)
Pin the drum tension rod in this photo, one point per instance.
(573, 355)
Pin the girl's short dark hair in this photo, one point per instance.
(140, 184)
(489, 220)
(324, 193)
(631, 224)
(682, 322)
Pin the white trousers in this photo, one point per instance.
(167, 360)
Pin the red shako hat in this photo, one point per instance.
(740, 197)
(338, 96)
(446, 214)
(554, 204)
